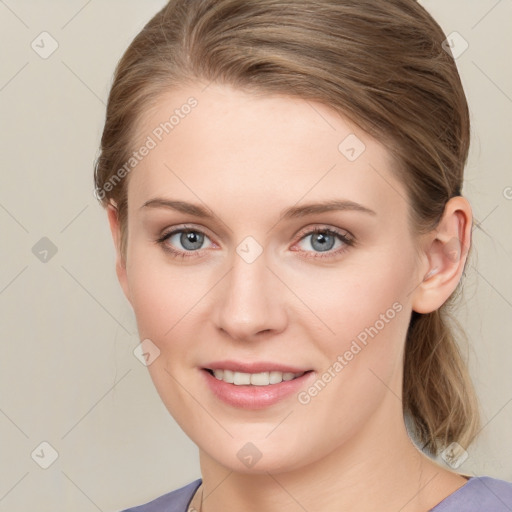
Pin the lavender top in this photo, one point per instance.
(479, 494)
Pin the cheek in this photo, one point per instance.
(163, 299)
(364, 311)
(368, 317)
(352, 298)
(167, 298)
(152, 292)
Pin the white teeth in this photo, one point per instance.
(241, 378)
(256, 379)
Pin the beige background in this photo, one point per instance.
(67, 372)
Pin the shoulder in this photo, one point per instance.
(479, 494)
(174, 501)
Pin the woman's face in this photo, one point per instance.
(252, 282)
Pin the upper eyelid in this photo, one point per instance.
(322, 228)
(185, 227)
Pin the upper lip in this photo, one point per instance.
(254, 367)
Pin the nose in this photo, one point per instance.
(251, 300)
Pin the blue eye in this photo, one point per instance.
(322, 240)
(190, 239)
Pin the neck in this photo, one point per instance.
(377, 468)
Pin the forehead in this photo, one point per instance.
(244, 152)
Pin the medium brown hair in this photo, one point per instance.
(379, 63)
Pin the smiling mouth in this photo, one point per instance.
(254, 379)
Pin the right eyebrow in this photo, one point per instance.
(180, 206)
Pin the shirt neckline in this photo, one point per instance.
(197, 497)
(454, 494)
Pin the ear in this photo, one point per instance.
(445, 254)
(115, 228)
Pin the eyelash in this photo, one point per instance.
(348, 240)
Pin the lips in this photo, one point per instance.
(255, 396)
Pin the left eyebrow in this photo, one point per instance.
(290, 213)
(327, 206)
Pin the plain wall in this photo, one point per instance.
(67, 372)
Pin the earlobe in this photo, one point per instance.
(115, 229)
(446, 255)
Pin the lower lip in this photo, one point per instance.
(254, 397)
